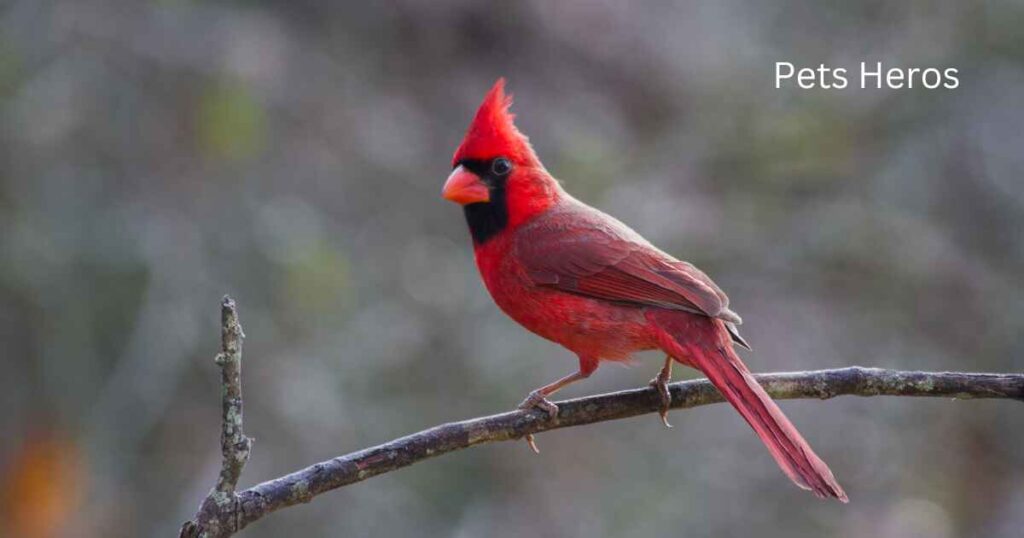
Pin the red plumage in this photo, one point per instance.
(579, 277)
(493, 131)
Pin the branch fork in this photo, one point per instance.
(219, 512)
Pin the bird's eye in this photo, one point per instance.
(501, 166)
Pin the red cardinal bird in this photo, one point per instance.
(579, 277)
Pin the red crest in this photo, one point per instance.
(493, 133)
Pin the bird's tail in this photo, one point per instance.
(704, 343)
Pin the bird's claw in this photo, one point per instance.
(532, 443)
(536, 400)
(660, 384)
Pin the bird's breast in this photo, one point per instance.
(584, 325)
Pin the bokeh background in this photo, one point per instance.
(156, 155)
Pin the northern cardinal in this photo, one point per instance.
(578, 277)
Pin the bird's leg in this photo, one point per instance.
(660, 383)
(538, 399)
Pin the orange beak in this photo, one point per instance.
(464, 187)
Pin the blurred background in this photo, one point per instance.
(157, 155)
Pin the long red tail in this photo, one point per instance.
(704, 343)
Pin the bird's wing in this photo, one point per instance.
(583, 251)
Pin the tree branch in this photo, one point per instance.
(218, 515)
(218, 519)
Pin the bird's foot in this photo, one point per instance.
(532, 443)
(660, 383)
(536, 400)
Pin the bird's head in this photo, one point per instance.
(496, 175)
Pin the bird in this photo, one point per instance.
(579, 277)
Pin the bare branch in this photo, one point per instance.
(301, 486)
(218, 514)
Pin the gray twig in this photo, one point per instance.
(218, 515)
(218, 519)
